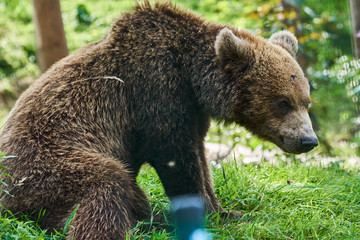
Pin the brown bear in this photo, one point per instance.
(145, 94)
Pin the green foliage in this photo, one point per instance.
(83, 15)
(12, 228)
(338, 82)
(17, 49)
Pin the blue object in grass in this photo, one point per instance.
(200, 234)
(189, 217)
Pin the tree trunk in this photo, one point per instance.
(50, 34)
(355, 17)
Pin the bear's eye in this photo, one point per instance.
(285, 105)
(292, 79)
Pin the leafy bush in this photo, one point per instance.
(336, 103)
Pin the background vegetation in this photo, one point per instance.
(283, 202)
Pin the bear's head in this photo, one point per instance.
(274, 92)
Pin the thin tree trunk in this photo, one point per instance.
(355, 17)
(50, 34)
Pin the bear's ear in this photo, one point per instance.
(231, 49)
(286, 40)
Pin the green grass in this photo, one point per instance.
(317, 204)
(278, 202)
(13, 228)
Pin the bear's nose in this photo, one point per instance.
(308, 143)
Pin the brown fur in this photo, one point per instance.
(145, 93)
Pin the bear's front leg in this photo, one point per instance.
(181, 173)
(209, 187)
(185, 172)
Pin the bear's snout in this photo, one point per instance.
(297, 145)
(297, 134)
(308, 144)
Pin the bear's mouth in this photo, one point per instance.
(282, 144)
(288, 145)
